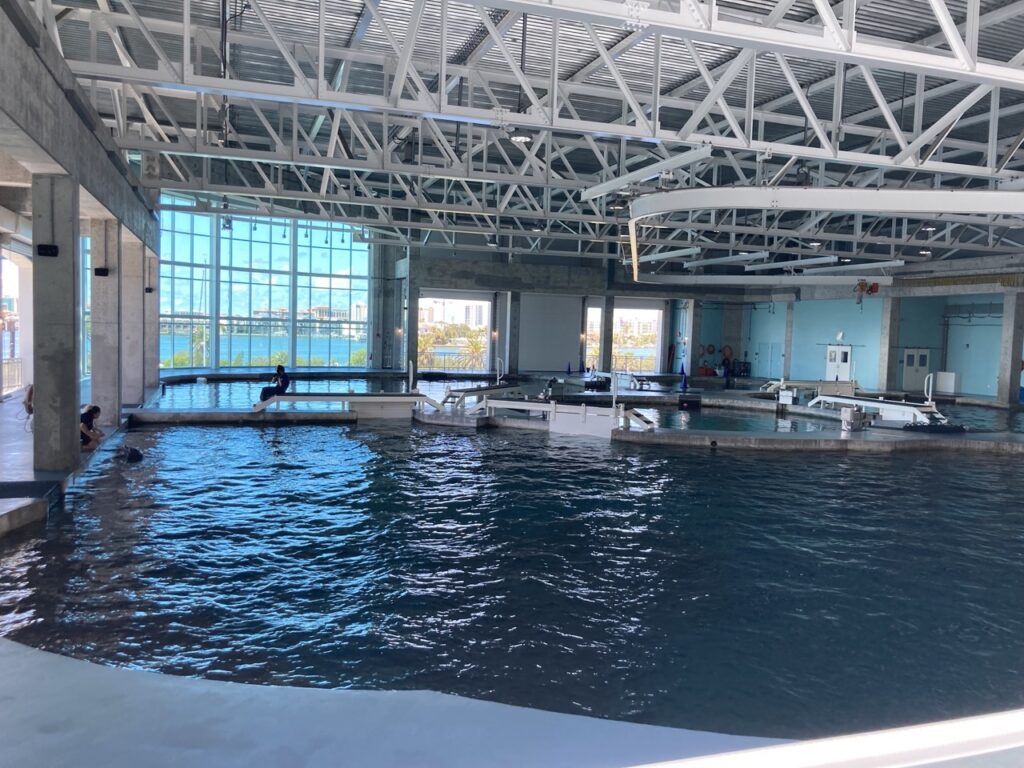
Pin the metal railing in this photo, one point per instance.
(11, 373)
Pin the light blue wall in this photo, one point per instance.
(921, 326)
(815, 325)
(973, 345)
(764, 333)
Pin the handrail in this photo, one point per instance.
(345, 397)
(915, 745)
(640, 420)
(498, 365)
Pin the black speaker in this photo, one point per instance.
(149, 290)
(47, 249)
(101, 272)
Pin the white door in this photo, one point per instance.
(916, 366)
(838, 362)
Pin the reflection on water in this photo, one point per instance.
(242, 394)
(735, 420)
(751, 593)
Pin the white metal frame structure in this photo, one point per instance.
(399, 115)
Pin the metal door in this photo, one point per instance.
(838, 362)
(916, 366)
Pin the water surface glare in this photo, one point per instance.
(791, 596)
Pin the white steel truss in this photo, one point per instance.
(407, 127)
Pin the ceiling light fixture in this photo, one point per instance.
(925, 252)
(928, 228)
(814, 243)
(519, 136)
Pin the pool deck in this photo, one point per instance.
(18, 477)
(56, 711)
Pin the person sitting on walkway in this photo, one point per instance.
(278, 385)
(89, 433)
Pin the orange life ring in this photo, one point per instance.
(727, 352)
(711, 349)
(700, 350)
(27, 402)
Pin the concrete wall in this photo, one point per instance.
(815, 326)
(549, 332)
(40, 128)
(973, 343)
(764, 342)
(711, 317)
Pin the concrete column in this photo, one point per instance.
(787, 349)
(151, 323)
(732, 330)
(512, 322)
(56, 344)
(889, 346)
(1008, 388)
(106, 318)
(607, 333)
(667, 340)
(412, 326)
(132, 320)
(693, 326)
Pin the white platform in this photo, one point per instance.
(56, 711)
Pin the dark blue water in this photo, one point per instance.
(776, 595)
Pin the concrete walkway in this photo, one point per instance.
(56, 711)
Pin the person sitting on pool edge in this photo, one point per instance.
(278, 385)
(89, 433)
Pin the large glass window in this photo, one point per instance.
(636, 340)
(593, 338)
(10, 329)
(332, 299)
(85, 308)
(186, 256)
(255, 292)
(282, 292)
(454, 334)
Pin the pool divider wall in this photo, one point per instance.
(693, 439)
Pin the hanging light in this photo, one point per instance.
(519, 136)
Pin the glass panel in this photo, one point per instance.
(593, 338)
(454, 334)
(636, 340)
(257, 257)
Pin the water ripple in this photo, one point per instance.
(777, 595)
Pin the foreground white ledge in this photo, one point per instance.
(56, 711)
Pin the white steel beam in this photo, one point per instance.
(856, 267)
(651, 171)
(791, 263)
(761, 281)
(736, 258)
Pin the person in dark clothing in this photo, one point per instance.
(89, 433)
(278, 385)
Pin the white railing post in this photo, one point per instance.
(412, 375)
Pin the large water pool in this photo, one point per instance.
(791, 596)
